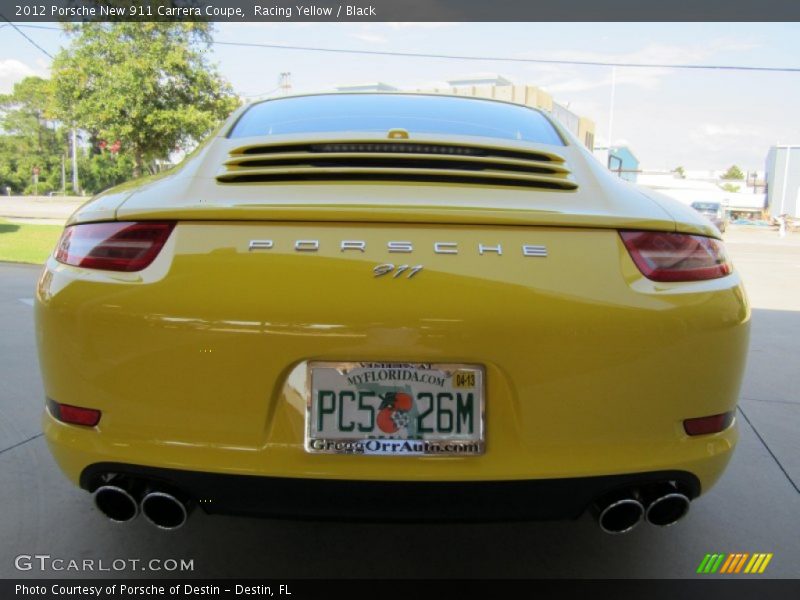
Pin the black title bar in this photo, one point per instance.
(223, 589)
(399, 10)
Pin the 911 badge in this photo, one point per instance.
(386, 268)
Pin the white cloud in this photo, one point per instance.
(11, 71)
(728, 130)
(717, 138)
(565, 78)
(372, 38)
(657, 53)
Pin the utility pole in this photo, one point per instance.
(63, 174)
(74, 161)
(285, 83)
(611, 113)
(785, 175)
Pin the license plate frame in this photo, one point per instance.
(463, 395)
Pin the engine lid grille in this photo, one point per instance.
(354, 160)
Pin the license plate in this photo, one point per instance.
(395, 409)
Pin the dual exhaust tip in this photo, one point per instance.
(661, 505)
(119, 503)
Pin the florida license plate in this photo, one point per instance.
(395, 409)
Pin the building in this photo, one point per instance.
(621, 160)
(704, 188)
(377, 86)
(500, 88)
(479, 79)
(783, 181)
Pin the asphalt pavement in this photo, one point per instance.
(754, 508)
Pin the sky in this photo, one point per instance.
(698, 119)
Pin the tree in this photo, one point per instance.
(729, 187)
(31, 139)
(101, 169)
(733, 173)
(680, 172)
(147, 85)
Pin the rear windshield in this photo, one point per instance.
(380, 113)
(705, 205)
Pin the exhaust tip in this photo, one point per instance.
(621, 516)
(668, 509)
(116, 503)
(164, 510)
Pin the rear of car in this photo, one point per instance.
(390, 307)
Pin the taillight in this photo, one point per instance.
(676, 256)
(116, 246)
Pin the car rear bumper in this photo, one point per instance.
(78, 450)
(300, 498)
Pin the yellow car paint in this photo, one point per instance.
(191, 360)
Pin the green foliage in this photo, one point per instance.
(733, 173)
(102, 170)
(148, 85)
(680, 172)
(729, 187)
(143, 89)
(31, 139)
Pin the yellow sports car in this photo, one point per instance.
(391, 306)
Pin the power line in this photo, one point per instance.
(589, 63)
(512, 59)
(23, 34)
(28, 26)
(272, 91)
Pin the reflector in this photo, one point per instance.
(75, 415)
(706, 425)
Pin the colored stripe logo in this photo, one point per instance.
(741, 562)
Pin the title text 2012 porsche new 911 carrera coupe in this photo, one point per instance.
(391, 306)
